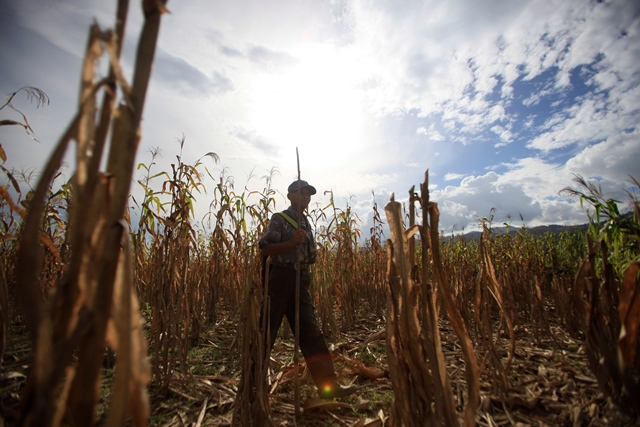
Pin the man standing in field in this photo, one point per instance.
(286, 232)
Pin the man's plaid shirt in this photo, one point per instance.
(280, 230)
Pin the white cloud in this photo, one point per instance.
(537, 37)
(452, 176)
(476, 198)
(431, 132)
(553, 83)
(504, 134)
(65, 23)
(589, 121)
(613, 159)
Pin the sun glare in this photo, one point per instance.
(314, 105)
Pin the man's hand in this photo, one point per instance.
(297, 237)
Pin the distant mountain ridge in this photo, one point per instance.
(536, 231)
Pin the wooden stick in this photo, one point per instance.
(297, 321)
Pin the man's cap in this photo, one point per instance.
(299, 185)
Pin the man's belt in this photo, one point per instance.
(290, 265)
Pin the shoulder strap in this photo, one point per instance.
(289, 220)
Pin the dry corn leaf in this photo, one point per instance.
(360, 368)
(324, 405)
(369, 422)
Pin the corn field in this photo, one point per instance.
(116, 310)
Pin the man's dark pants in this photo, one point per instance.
(282, 293)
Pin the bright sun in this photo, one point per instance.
(314, 105)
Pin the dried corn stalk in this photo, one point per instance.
(251, 406)
(453, 313)
(417, 365)
(410, 371)
(490, 289)
(610, 315)
(4, 311)
(60, 390)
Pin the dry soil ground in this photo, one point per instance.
(550, 383)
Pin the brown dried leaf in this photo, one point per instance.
(324, 405)
(368, 422)
(4, 195)
(360, 368)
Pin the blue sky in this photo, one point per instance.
(503, 101)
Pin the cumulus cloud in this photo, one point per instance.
(177, 74)
(62, 23)
(516, 43)
(613, 159)
(478, 197)
(254, 140)
(431, 132)
(589, 121)
(453, 176)
(230, 51)
(269, 59)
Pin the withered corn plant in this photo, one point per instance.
(371, 265)
(93, 305)
(340, 247)
(461, 263)
(176, 291)
(606, 295)
(13, 202)
(251, 406)
(346, 235)
(564, 255)
(493, 298)
(218, 245)
(33, 93)
(150, 214)
(523, 292)
(53, 229)
(324, 288)
(227, 211)
(417, 365)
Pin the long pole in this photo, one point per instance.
(297, 321)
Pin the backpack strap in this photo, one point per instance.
(289, 220)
